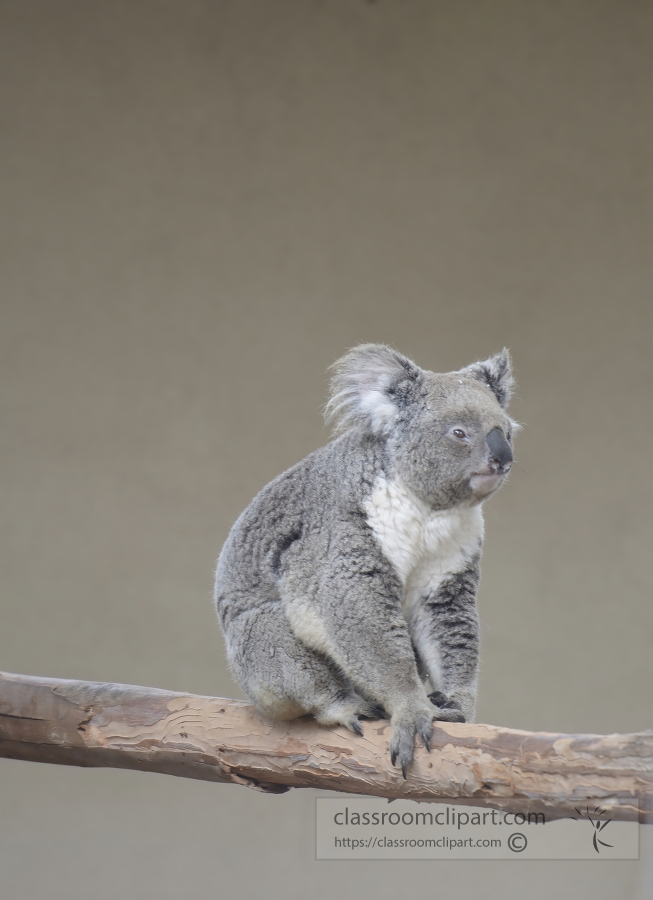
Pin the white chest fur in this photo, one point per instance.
(425, 546)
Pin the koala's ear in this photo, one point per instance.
(369, 385)
(496, 373)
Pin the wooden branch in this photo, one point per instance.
(79, 723)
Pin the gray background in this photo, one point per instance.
(203, 205)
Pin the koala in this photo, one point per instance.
(349, 583)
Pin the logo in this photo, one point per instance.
(596, 823)
(517, 842)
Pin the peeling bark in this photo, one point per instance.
(79, 723)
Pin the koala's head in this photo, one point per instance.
(448, 435)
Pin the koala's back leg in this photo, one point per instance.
(284, 678)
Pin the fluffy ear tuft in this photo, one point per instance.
(496, 373)
(368, 385)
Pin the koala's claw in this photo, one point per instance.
(355, 726)
(402, 744)
(393, 758)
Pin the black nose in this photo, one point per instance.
(500, 452)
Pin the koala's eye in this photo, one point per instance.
(459, 433)
(509, 436)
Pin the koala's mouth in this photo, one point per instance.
(487, 482)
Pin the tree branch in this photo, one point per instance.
(80, 723)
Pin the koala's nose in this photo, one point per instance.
(500, 452)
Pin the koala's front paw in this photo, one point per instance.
(374, 711)
(402, 743)
(346, 709)
(446, 710)
(448, 715)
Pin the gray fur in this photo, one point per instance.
(352, 577)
